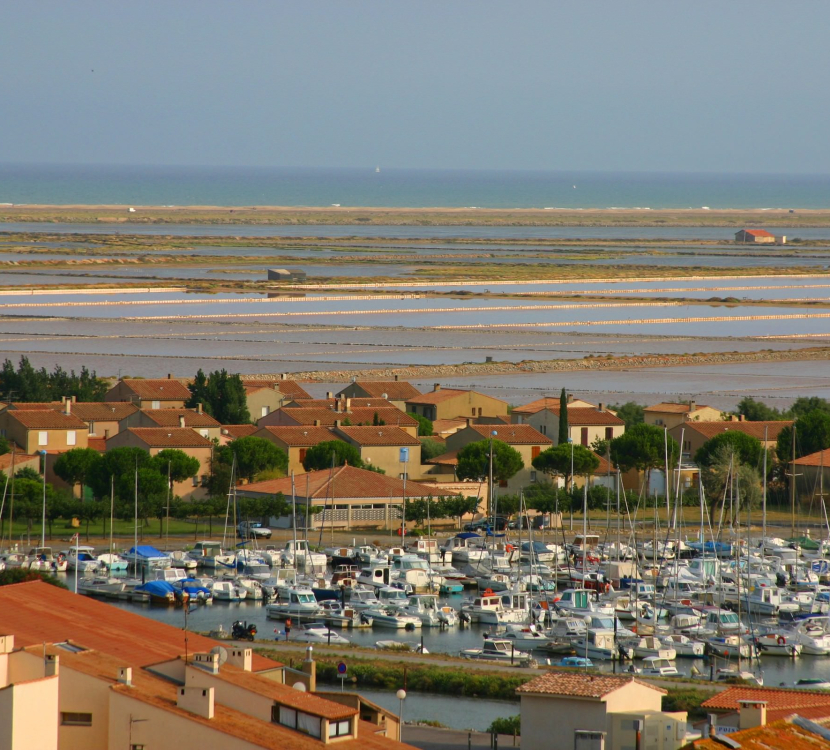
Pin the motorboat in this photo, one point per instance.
(280, 578)
(430, 611)
(768, 602)
(722, 621)
(651, 646)
(334, 613)
(495, 582)
(362, 599)
(580, 662)
(340, 556)
(42, 558)
(96, 585)
(253, 588)
(578, 602)
(210, 555)
(602, 644)
(375, 575)
(465, 548)
(731, 674)
(487, 609)
(523, 636)
(228, 591)
(814, 640)
(684, 646)
(297, 553)
(390, 596)
(415, 572)
(316, 632)
(498, 650)
(778, 644)
(731, 646)
(389, 617)
(79, 558)
(195, 590)
(299, 603)
(812, 683)
(171, 575)
(146, 556)
(656, 666)
(115, 563)
(179, 559)
(159, 592)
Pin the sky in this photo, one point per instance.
(521, 84)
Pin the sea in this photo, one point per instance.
(393, 187)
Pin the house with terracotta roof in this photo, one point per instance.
(523, 438)
(196, 419)
(355, 416)
(670, 415)
(349, 497)
(449, 403)
(695, 434)
(585, 423)
(519, 413)
(810, 472)
(266, 395)
(150, 394)
(397, 392)
(103, 418)
(756, 237)
(339, 404)
(792, 733)
(96, 676)
(48, 430)
(156, 439)
(295, 441)
(380, 446)
(557, 706)
(14, 461)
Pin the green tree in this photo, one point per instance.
(474, 461)
(180, 465)
(416, 510)
(601, 446)
(456, 507)
(757, 411)
(564, 432)
(27, 384)
(729, 481)
(320, 456)
(806, 404)
(75, 465)
(747, 449)
(431, 448)
(425, 427)
(221, 395)
(630, 412)
(508, 505)
(19, 575)
(643, 447)
(253, 455)
(557, 461)
(27, 472)
(4, 445)
(812, 432)
(118, 463)
(546, 498)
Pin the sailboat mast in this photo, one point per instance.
(112, 508)
(764, 479)
(135, 520)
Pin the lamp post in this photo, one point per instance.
(401, 697)
(43, 518)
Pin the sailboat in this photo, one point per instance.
(377, 169)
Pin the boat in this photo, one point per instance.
(362, 599)
(522, 636)
(812, 683)
(650, 646)
(602, 644)
(299, 603)
(280, 578)
(731, 646)
(97, 585)
(378, 575)
(147, 557)
(316, 632)
(113, 562)
(180, 559)
(389, 617)
(487, 609)
(253, 588)
(814, 640)
(390, 596)
(778, 644)
(429, 610)
(196, 590)
(159, 592)
(79, 558)
(575, 661)
(210, 555)
(656, 666)
(406, 646)
(731, 674)
(297, 553)
(228, 591)
(465, 548)
(42, 558)
(499, 650)
(684, 646)
(169, 574)
(334, 613)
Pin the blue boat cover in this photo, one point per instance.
(145, 550)
(467, 535)
(156, 588)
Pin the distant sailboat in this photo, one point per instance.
(377, 169)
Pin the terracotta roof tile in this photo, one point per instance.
(331, 403)
(776, 698)
(395, 390)
(166, 389)
(671, 408)
(97, 444)
(450, 458)
(755, 429)
(36, 613)
(445, 394)
(36, 405)
(448, 425)
(286, 387)
(820, 458)
(169, 437)
(381, 435)
(513, 434)
(103, 411)
(758, 233)
(548, 402)
(170, 417)
(235, 431)
(46, 420)
(347, 482)
(586, 416)
(580, 685)
(19, 459)
(327, 417)
(303, 436)
(778, 735)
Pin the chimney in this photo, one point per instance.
(51, 666)
(436, 387)
(742, 417)
(713, 725)
(125, 676)
(752, 714)
(396, 378)
(601, 406)
(348, 404)
(169, 375)
(469, 420)
(209, 662)
(181, 420)
(74, 399)
(316, 422)
(692, 405)
(197, 700)
(67, 406)
(199, 408)
(63, 399)
(570, 397)
(329, 395)
(283, 376)
(337, 423)
(310, 668)
(241, 658)
(6, 644)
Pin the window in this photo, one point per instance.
(195, 480)
(503, 483)
(584, 439)
(71, 437)
(155, 405)
(205, 478)
(92, 428)
(609, 433)
(203, 433)
(535, 450)
(298, 720)
(339, 728)
(543, 429)
(303, 452)
(532, 476)
(43, 438)
(69, 719)
(263, 412)
(474, 411)
(479, 411)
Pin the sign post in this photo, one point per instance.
(341, 673)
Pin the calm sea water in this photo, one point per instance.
(229, 186)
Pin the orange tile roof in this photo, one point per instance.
(820, 458)
(778, 735)
(512, 434)
(169, 437)
(332, 403)
(286, 387)
(445, 425)
(162, 389)
(103, 411)
(395, 390)
(19, 459)
(35, 613)
(778, 700)
(580, 685)
(381, 435)
(755, 429)
(583, 415)
(170, 417)
(347, 482)
(235, 431)
(327, 417)
(46, 419)
(36, 405)
(548, 402)
(758, 232)
(671, 408)
(445, 394)
(450, 458)
(301, 435)
(97, 444)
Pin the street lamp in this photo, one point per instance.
(43, 519)
(401, 697)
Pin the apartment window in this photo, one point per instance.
(303, 452)
(69, 719)
(298, 720)
(205, 478)
(196, 481)
(532, 476)
(474, 411)
(340, 728)
(535, 450)
(203, 433)
(609, 433)
(43, 438)
(263, 412)
(155, 405)
(92, 428)
(584, 439)
(543, 429)
(502, 483)
(71, 437)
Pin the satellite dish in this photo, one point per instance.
(299, 686)
(223, 654)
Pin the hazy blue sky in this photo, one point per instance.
(658, 85)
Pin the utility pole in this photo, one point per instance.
(792, 488)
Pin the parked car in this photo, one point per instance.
(497, 523)
(253, 530)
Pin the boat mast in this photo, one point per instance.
(792, 487)
(228, 506)
(764, 502)
(112, 509)
(293, 515)
(135, 520)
